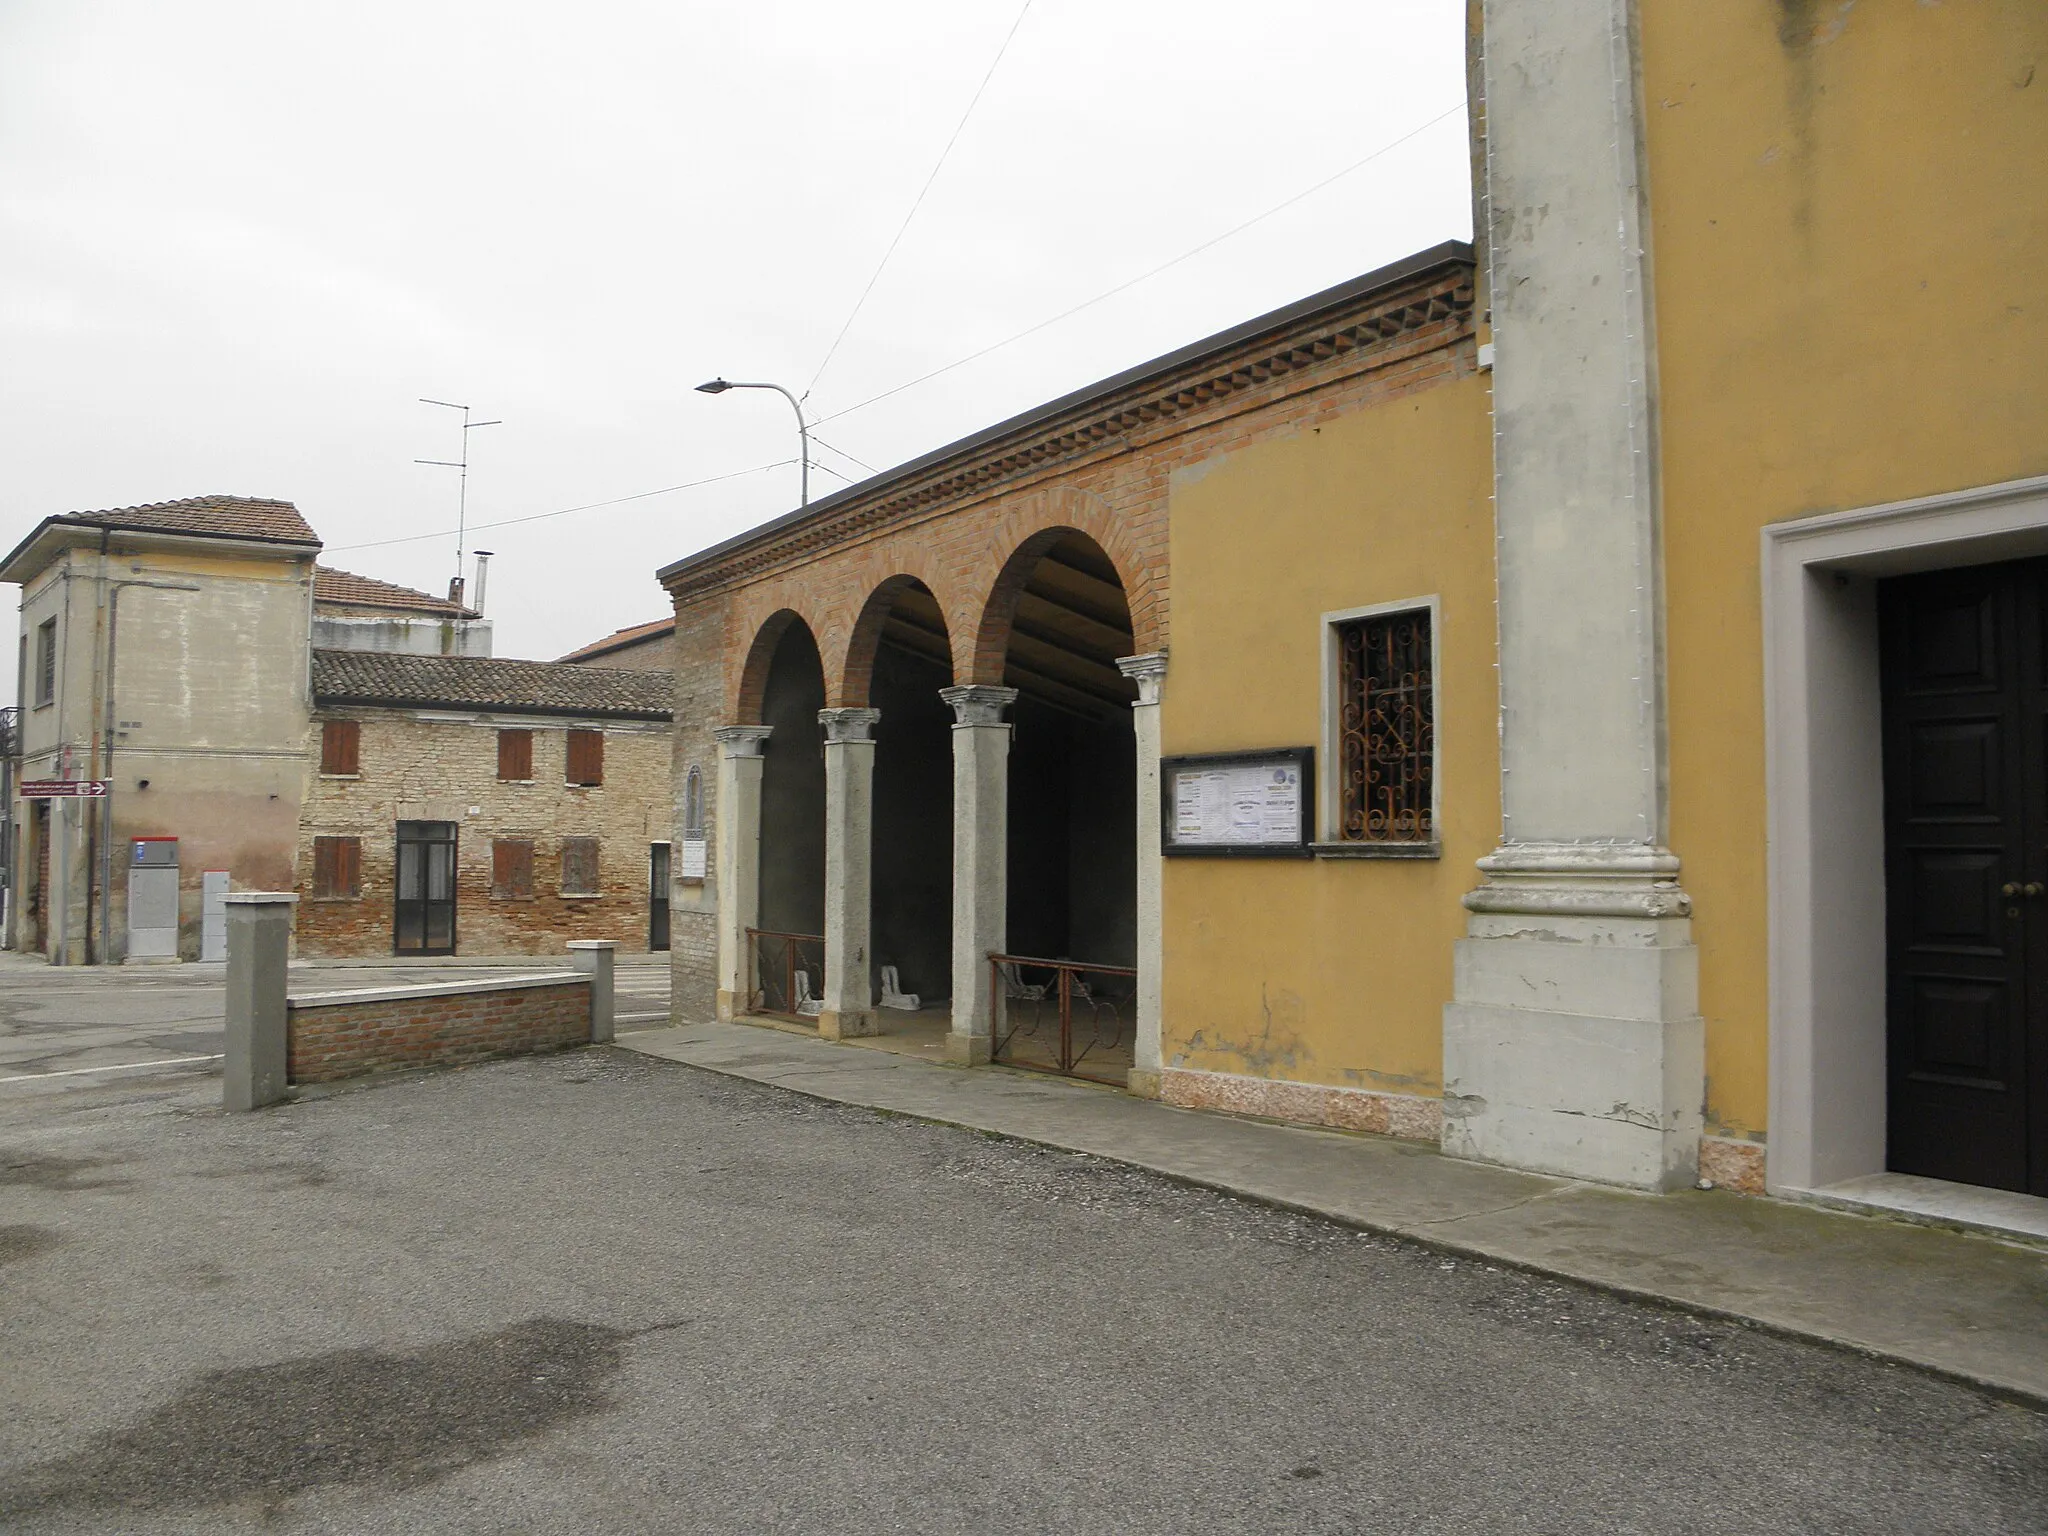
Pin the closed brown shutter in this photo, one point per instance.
(512, 867)
(337, 866)
(515, 755)
(339, 743)
(579, 866)
(586, 757)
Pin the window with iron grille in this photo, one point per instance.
(337, 868)
(579, 866)
(515, 756)
(340, 743)
(1385, 752)
(586, 757)
(511, 868)
(46, 661)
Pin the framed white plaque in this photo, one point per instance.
(1238, 804)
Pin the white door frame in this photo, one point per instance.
(1825, 804)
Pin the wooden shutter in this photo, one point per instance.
(579, 866)
(337, 866)
(586, 757)
(515, 755)
(512, 867)
(339, 746)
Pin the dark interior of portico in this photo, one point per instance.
(1073, 775)
(793, 790)
(912, 893)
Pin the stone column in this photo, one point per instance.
(739, 859)
(849, 872)
(1149, 673)
(1574, 1044)
(259, 950)
(597, 959)
(981, 879)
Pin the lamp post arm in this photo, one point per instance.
(803, 433)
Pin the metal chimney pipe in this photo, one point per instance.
(483, 560)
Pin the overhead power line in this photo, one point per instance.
(918, 201)
(588, 506)
(1164, 266)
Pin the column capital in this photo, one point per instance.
(851, 724)
(742, 740)
(978, 703)
(1148, 671)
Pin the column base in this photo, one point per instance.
(967, 1050)
(836, 1025)
(728, 1005)
(1143, 1082)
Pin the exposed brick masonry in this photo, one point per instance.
(328, 1041)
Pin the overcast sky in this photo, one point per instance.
(238, 240)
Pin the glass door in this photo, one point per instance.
(423, 913)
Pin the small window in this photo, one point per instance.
(1384, 756)
(340, 741)
(586, 757)
(46, 661)
(337, 868)
(515, 755)
(579, 866)
(511, 868)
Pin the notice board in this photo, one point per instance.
(1238, 804)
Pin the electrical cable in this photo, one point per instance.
(1110, 293)
(918, 201)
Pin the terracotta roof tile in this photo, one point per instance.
(477, 682)
(236, 517)
(619, 639)
(350, 590)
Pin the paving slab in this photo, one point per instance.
(1958, 1304)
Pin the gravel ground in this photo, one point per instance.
(596, 1292)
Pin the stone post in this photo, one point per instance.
(1149, 673)
(1573, 1044)
(981, 831)
(259, 950)
(596, 958)
(739, 859)
(849, 992)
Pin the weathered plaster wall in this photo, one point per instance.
(1330, 971)
(436, 770)
(1851, 265)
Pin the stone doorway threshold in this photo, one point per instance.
(1956, 1303)
(1937, 1202)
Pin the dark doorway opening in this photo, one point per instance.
(912, 897)
(1072, 852)
(788, 972)
(657, 896)
(423, 906)
(1964, 668)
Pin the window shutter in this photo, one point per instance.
(339, 742)
(323, 866)
(515, 755)
(349, 865)
(586, 757)
(579, 866)
(512, 867)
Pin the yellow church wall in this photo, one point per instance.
(1850, 248)
(1329, 971)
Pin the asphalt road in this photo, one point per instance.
(595, 1292)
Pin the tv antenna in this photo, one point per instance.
(462, 482)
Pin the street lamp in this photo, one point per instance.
(803, 431)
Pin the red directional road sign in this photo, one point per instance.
(63, 789)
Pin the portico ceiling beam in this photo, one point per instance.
(1043, 613)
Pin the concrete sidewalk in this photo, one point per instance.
(1965, 1306)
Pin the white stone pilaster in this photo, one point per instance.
(981, 830)
(739, 859)
(1573, 1044)
(1148, 671)
(849, 995)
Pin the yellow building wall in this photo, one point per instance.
(1329, 971)
(1849, 216)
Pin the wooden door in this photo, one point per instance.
(657, 896)
(1966, 870)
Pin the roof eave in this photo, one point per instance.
(1339, 296)
(57, 531)
(553, 711)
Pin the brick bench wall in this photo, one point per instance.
(336, 1035)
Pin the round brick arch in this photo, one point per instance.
(992, 636)
(753, 683)
(857, 667)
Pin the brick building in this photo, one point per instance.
(464, 805)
